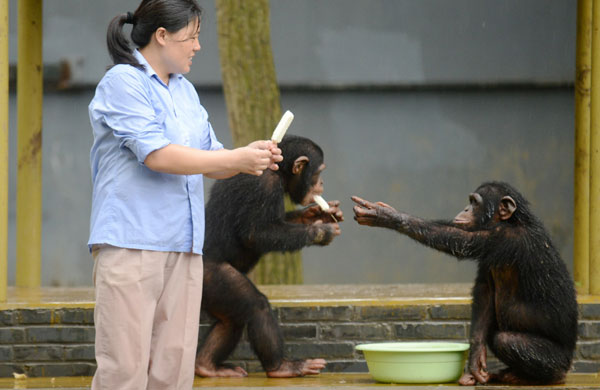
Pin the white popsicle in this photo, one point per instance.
(282, 126)
(323, 205)
(321, 202)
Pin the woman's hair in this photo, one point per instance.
(173, 15)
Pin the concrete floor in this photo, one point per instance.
(323, 381)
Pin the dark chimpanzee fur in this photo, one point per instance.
(524, 303)
(246, 218)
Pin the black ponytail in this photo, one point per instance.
(173, 15)
(118, 46)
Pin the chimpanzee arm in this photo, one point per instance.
(441, 235)
(294, 216)
(483, 320)
(284, 236)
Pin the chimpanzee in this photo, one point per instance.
(524, 306)
(246, 218)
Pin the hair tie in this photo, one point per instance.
(129, 19)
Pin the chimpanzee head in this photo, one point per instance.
(301, 168)
(493, 203)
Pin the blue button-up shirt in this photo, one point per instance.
(132, 114)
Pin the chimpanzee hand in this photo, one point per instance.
(314, 213)
(477, 367)
(375, 214)
(325, 232)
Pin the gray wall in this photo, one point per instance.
(419, 133)
(349, 42)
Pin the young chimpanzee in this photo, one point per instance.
(246, 218)
(524, 306)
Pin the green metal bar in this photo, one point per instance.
(29, 153)
(3, 149)
(581, 212)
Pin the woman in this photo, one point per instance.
(152, 145)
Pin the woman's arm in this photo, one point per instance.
(183, 160)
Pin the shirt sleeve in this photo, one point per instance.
(214, 143)
(210, 141)
(127, 108)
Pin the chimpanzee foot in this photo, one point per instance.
(471, 379)
(467, 380)
(290, 369)
(223, 371)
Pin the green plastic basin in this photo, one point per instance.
(415, 362)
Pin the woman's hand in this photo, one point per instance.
(251, 160)
(271, 146)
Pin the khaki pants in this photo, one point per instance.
(147, 318)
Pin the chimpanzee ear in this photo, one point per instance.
(507, 207)
(299, 164)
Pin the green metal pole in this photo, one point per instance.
(29, 154)
(581, 212)
(3, 148)
(595, 154)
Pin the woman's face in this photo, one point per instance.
(181, 47)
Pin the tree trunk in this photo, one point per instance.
(252, 98)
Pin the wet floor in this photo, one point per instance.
(323, 381)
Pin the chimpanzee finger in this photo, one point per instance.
(481, 376)
(334, 203)
(365, 221)
(334, 210)
(363, 212)
(336, 229)
(479, 373)
(338, 214)
(362, 202)
(314, 209)
(358, 200)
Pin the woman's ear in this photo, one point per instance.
(161, 36)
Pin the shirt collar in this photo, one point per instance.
(151, 72)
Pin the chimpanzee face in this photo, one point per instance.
(485, 206)
(301, 169)
(316, 187)
(469, 215)
(305, 181)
